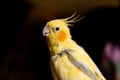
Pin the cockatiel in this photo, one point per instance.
(68, 60)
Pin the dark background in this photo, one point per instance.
(24, 54)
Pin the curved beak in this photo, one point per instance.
(46, 31)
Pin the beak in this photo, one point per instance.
(46, 31)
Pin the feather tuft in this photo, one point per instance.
(72, 19)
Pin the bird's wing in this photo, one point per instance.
(82, 66)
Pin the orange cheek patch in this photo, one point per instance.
(61, 36)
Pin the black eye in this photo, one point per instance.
(57, 28)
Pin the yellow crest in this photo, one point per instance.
(73, 18)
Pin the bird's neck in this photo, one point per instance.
(56, 47)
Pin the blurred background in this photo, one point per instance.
(24, 54)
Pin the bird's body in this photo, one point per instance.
(69, 61)
(67, 71)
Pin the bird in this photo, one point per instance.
(68, 60)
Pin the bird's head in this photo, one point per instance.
(58, 30)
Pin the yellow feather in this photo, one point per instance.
(72, 19)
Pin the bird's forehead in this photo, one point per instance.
(54, 23)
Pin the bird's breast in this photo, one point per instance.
(67, 71)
